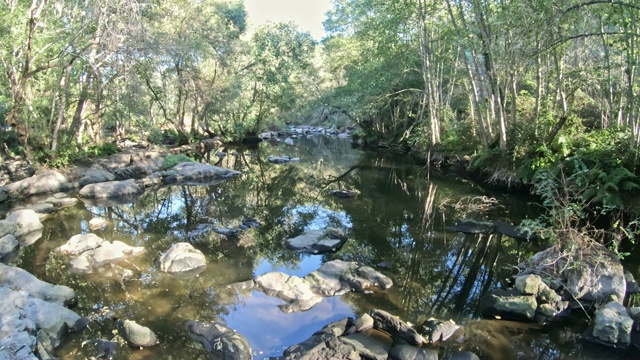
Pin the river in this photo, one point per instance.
(395, 224)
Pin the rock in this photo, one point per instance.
(612, 326)
(91, 251)
(197, 173)
(509, 305)
(33, 315)
(93, 176)
(26, 221)
(97, 223)
(322, 346)
(7, 228)
(4, 193)
(288, 141)
(133, 172)
(44, 183)
(634, 312)
(317, 241)
(473, 227)
(632, 285)
(396, 327)
(30, 238)
(221, 155)
(80, 243)
(219, 340)
(364, 322)
(61, 200)
(465, 355)
(292, 289)
(251, 222)
(437, 330)
(100, 349)
(343, 193)
(408, 352)
(367, 347)
(41, 208)
(8, 244)
(281, 159)
(183, 258)
(598, 278)
(528, 284)
(336, 328)
(268, 135)
(111, 189)
(135, 334)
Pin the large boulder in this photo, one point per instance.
(30, 307)
(183, 258)
(612, 326)
(112, 189)
(197, 173)
(44, 183)
(317, 241)
(219, 341)
(590, 272)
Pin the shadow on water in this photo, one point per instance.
(396, 223)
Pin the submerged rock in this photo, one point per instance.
(136, 334)
(90, 251)
(317, 241)
(343, 193)
(292, 289)
(219, 340)
(183, 258)
(509, 305)
(437, 330)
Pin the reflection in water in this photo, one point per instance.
(396, 223)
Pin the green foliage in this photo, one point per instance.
(104, 149)
(173, 160)
(155, 136)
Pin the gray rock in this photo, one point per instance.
(226, 231)
(465, 355)
(437, 330)
(29, 238)
(26, 221)
(111, 189)
(197, 173)
(219, 340)
(100, 349)
(634, 312)
(8, 244)
(47, 182)
(93, 176)
(396, 327)
(336, 328)
(281, 159)
(288, 141)
(364, 322)
(97, 223)
(367, 347)
(61, 200)
(528, 284)
(4, 193)
(7, 228)
(19, 279)
(632, 285)
(612, 325)
(108, 253)
(509, 306)
(343, 193)
(183, 258)
(39, 208)
(338, 277)
(80, 243)
(137, 335)
(600, 276)
(320, 347)
(317, 241)
(292, 289)
(408, 352)
(133, 172)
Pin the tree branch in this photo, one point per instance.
(594, 2)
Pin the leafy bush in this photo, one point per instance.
(155, 136)
(104, 149)
(173, 160)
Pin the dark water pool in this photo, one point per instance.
(395, 224)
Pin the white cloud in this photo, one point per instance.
(307, 14)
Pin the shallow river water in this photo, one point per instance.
(395, 224)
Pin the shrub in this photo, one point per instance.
(173, 160)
